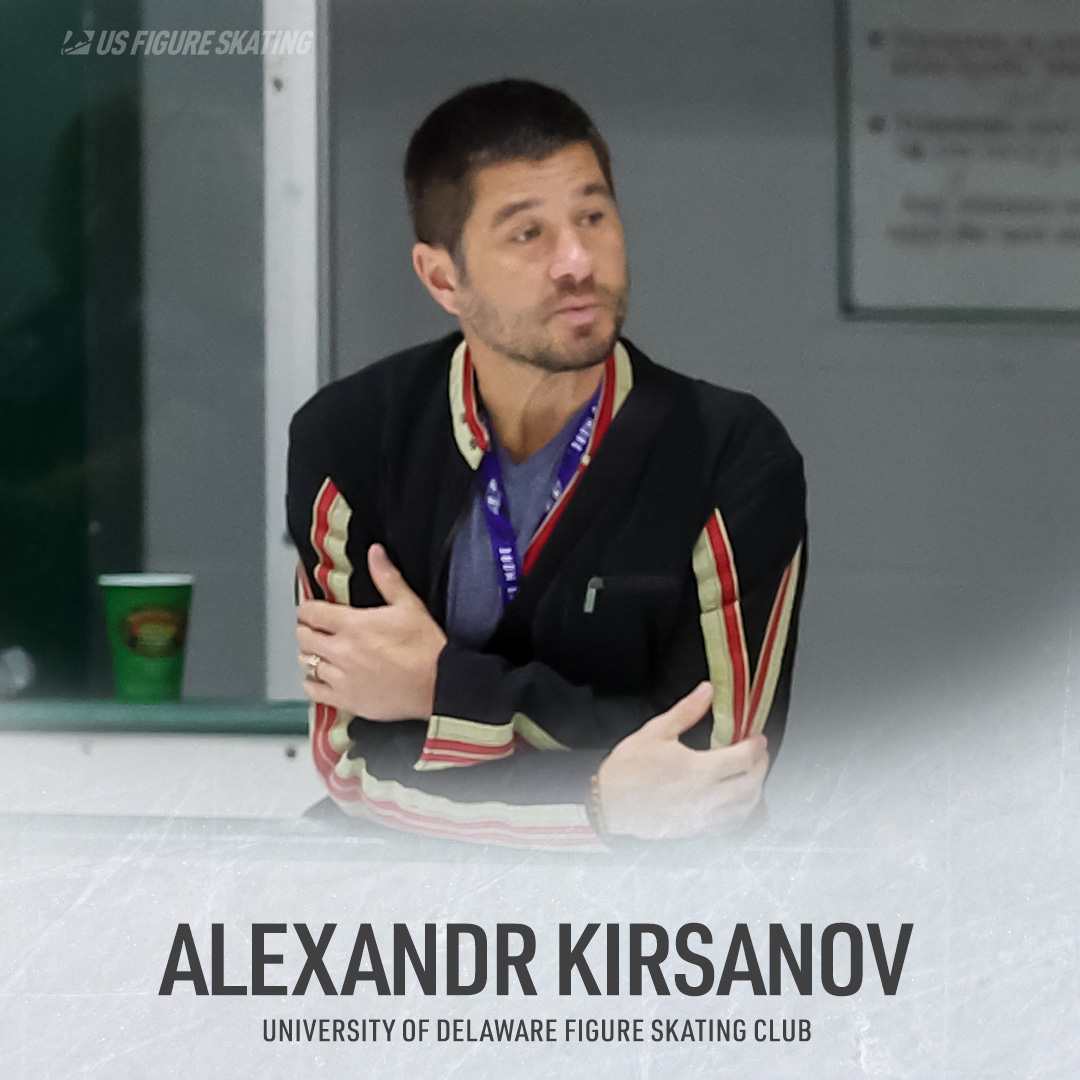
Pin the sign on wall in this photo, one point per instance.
(959, 159)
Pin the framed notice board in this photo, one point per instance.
(959, 159)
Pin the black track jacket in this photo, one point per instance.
(677, 555)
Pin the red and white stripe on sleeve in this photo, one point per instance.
(742, 695)
(353, 787)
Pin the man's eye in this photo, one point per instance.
(525, 235)
(595, 217)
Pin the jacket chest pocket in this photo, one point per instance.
(614, 631)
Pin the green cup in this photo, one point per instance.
(147, 617)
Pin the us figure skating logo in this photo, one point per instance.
(192, 42)
(77, 43)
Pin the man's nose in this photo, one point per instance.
(571, 257)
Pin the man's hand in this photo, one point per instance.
(379, 663)
(652, 786)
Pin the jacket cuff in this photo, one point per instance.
(469, 724)
(475, 715)
(452, 741)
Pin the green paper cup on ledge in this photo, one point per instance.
(147, 617)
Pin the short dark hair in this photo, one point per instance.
(483, 125)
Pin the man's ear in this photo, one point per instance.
(436, 270)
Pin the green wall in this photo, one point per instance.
(70, 453)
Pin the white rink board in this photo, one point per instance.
(958, 813)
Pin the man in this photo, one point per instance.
(527, 538)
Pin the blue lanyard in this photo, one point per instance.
(501, 530)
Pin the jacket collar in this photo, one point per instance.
(471, 433)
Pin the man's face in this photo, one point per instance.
(543, 278)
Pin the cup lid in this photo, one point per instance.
(145, 581)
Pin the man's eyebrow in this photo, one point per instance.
(597, 187)
(505, 213)
(510, 209)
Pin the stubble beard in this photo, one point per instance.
(526, 340)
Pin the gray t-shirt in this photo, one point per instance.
(473, 596)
